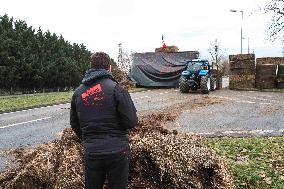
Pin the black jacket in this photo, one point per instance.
(101, 114)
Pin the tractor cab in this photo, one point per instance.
(197, 76)
(197, 64)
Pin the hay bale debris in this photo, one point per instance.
(241, 57)
(241, 81)
(160, 159)
(168, 49)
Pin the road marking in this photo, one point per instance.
(224, 97)
(15, 124)
(265, 103)
(141, 97)
(245, 101)
(34, 108)
(257, 98)
(236, 99)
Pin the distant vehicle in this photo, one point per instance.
(198, 75)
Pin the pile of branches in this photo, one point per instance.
(121, 77)
(159, 159)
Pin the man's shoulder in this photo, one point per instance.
(78, 89)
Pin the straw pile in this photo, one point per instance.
(242, 68)
(168, 49)
(160, 159)
(172, 160)
(121, 77)
(241, 81)
(266, 76)
(241, 57)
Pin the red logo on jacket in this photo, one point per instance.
(91, 95)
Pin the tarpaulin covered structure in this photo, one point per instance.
(159, 69)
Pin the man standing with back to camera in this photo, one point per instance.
(101, 114)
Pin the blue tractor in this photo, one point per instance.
(198, 75)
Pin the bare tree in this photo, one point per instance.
(276, 8)
(124, 60)
(217, 57)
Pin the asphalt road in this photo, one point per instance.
(239, 113)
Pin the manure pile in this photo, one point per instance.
(160, 159)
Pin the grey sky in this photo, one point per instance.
(139, 24)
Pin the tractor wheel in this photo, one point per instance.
(213, 84)
(183, 86)
(205, 84)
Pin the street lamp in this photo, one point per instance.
(233, 10)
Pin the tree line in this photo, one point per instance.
(34, 60)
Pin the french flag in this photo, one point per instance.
(163, 43)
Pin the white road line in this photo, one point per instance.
(34, 108)
(141, 97)
(235, 99)
(15, 124)
(265, 103)
(281, 130)
(245, 101)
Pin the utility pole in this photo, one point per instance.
(241, 11)
(248, 45)
(242, 32)
(216, 55)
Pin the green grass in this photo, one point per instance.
(257, 163)
(18, 102)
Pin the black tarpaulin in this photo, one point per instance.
(159, 69)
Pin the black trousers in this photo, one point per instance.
(113, 168)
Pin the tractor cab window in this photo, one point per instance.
(195, 66)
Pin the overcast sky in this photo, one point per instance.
(139, 24)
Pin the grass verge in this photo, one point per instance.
(19, 102)
(257, 163)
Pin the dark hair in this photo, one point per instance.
(100, 60)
